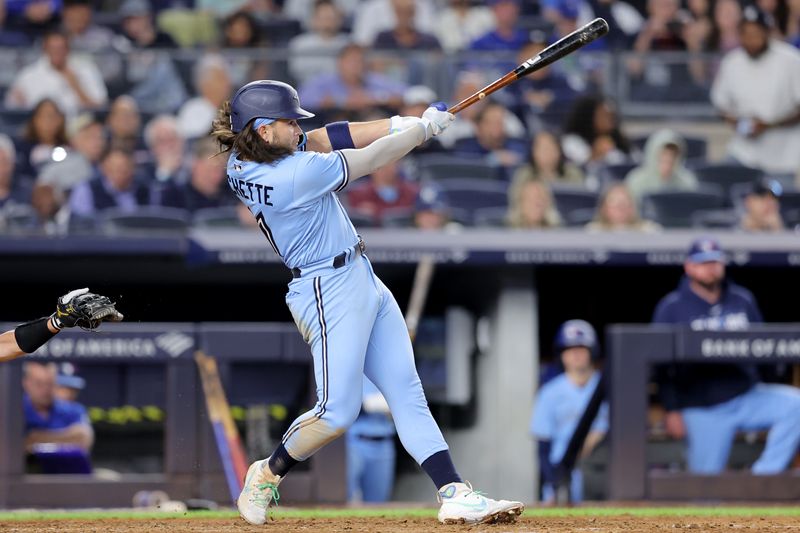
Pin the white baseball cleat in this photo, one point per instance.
(462, 505)
(260, 489)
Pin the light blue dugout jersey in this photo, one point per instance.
(294, 201)
(558, 410)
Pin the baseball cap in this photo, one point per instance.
(766, 186)
(704, 250)
(431, 198)
(576, 333)
(71, 382)
(135, 8)
(756, 15)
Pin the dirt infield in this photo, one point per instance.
(626, 524)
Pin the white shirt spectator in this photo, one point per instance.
(456, 33)
(40, 80)
(195, 117)
(375, 16)
(766, 88)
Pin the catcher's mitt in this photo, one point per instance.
(84, 309)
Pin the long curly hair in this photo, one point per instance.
(248, 144)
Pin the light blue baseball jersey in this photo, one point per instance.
(295, 204)
(558, 409)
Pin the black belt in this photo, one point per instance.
(339, 260)
(375, 439)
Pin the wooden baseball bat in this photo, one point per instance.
(226, 435)
(563, 47)
(419, 293)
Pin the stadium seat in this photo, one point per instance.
(216, 217)
(573, 204)
(726, 176)
(20, 217)
(674, 209)
(397, 218)
(612, 173)
(792, 218)
(146, 218)
(361, 219)
(490, 216)
(444, 167)
(471, 194)
(715, 219)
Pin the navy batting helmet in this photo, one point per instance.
(576, 333)
(265, 99)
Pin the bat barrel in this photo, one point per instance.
(565, 46)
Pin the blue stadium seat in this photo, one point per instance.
(145, 218)
(726, 176)
(715, 219)
(490, 216)
(617, 172)
(471, 194)
(575, 204)
(674, 209)
(439, 167)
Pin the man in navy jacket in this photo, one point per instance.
(709, 403)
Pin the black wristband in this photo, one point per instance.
(32, 335)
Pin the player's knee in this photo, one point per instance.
(343, 417)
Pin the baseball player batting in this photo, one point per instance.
(289, 180)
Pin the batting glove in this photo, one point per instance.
(438, 117)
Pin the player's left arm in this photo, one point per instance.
(362, 134)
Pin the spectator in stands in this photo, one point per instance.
(68, 384)
(724, 35)
(124, 124)
(353, 87)
(404, 35)
(73, 82)
(709, 403)
(491, 142)
(374, 16)
(206, 187)
(213, 86)
(87, 143)
(386, 190)
(792, 33)
(33, 17)
(49, 419)
(778, 13)
(461, 22)
(616, 211)
(138, 26)
(506, 35)
(44, 131)
(241, 31)
(624, 20)
(592, 134)
(543, 92)
(560, 404)
(303, 10)
(167, 146)
(531, 205)
(314, 52)
(662, 168)
(431, 211)
(663, 30)
(12, 189)
(83, 34)
(766, 115)
(371, 450)
(115, 187)
(547, 162)
(762, 207)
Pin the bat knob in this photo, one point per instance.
(441, 106)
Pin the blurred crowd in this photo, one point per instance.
(106, 127)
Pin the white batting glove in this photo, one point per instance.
(398, 123)
(439, 118)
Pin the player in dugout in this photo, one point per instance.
(77, 308)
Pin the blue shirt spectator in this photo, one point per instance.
(492, 143)
(206, 187)
(115, 187)
(352, 87)
(62, 415)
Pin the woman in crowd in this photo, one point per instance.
(617, 211)
(547, 162)
(44, 131)
(592, 134)
(531, 205)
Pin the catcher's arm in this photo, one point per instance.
(77, 308)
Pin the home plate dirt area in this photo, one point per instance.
(622, 523)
